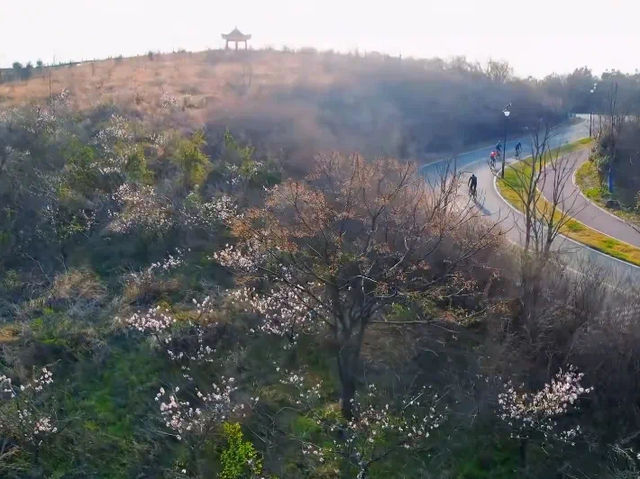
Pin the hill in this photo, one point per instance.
(306, 101)
(176, 301)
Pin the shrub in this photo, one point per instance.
(195, 164)
(239, 459)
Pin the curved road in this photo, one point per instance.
(587, 212)
(494, 208)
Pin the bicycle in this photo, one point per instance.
(473, 193)
(492, 160)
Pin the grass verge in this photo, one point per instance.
(588, 181)
(573, 229)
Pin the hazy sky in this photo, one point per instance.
(536, 37)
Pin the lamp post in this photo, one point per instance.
(592, 91)
(506, 112)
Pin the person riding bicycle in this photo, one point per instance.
(473, 184)
(499, 148)
(518, 148)
(492, 158)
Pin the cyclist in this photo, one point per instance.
(518, 149)
(492, 159)
(473, 185)
(499, 148)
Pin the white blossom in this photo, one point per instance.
(31, 425)
(246, 257)
(528, 412)
(171, 262)
(194, 416)
(284, 311)
(168, 101)
(140, 207)
(220, 210)
(307, 392)
(185, 356)
(155, 320)
(375, 428)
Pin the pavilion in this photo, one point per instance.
(236, 36)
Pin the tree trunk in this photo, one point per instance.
(349, 343)
(523, 454)
(531, 277)
(347, 366)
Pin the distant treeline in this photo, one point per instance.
(612, 93)
(419, 108)
(19, 72)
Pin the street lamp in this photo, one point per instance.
(592, 91)
(506, 112)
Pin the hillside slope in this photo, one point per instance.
(377, 104)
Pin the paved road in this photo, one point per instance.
(494, 208)
(591, 215)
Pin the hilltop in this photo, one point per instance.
(305, 100)
(200, 82)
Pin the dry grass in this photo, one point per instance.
(200, 83)
(78, 284)
(9, 333)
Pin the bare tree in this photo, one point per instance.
(543, 173)
(539, 182)
(498, 71)
(560, 204)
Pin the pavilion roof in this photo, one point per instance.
(236, 36)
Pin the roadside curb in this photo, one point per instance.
(581, 245)
(513, 208)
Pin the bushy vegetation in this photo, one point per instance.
(611, 178)
(614, 100)
(179, 302)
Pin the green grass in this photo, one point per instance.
(106, 416)
(588, 181)
(574, 229)
(488, 461)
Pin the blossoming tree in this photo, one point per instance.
(24, 419)
(190, 411)
(378, 428)
(343, 245)
(528, 414)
